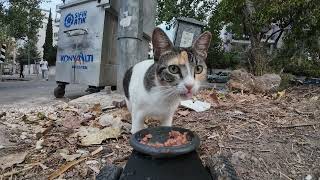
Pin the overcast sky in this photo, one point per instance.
(50, 4)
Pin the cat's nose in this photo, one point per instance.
(189, 86)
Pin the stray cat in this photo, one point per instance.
(156, 87)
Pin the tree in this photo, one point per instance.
(19, 20)
(24, 18)
(254, 18)
(197, 9)
(48, 50)
(28, 50)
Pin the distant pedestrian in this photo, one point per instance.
(21, 70)
(44, 69)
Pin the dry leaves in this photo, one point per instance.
(71, 121)
(96, 136)
(12, 159)
(183, 113)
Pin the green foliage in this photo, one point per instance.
(28, 50)
(285, 81)
(20, 20)
(23, 18)
(226, 60)
(48, 50)
(298, 20)
(197, 9)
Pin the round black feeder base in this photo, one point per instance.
(144, 167)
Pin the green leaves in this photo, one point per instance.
(197, 9)
(48, 50)
(22, 18)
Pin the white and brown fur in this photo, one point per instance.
(155, 88)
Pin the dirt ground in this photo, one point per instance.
(263, 136)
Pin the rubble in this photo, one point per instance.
(263, 136)
(243, 81)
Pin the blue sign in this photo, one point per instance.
(78, 59)
(77, 18)
(81, 58)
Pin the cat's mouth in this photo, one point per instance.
(187, 95)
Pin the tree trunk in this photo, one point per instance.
(257, 56)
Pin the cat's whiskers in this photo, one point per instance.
(166, 91)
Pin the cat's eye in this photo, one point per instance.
(174, 69)
(198, 69)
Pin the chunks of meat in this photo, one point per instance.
(175, 139)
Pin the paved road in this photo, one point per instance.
(35, 91)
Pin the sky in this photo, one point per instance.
(50, 4)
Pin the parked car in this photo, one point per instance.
(220, 77)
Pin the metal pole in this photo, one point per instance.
(1, 71)
(28, 59)
(130, 33)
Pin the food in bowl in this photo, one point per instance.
(176, 138)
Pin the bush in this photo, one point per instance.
(225, 60)
(285, 81)
(297, 66)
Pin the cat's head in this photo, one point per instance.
(182, 69)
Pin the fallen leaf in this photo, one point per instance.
(100, 135)
(109, 120)
(41, 115)
(39, 144)
(71, 121)
(314, 98)
(183, 113)
(214, 98)
(281, 94)
(12, 159)
(96, 108)
(65, 167)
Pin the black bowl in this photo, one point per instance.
(161, 134)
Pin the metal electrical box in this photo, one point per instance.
(187, 31)
(182, 31)
(87, 42)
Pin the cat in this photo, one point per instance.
(155, 88)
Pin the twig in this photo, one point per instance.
(260, 150)
(284, 175)
(65, 167)
(297, 125)
(108, 108)
(239, 138)
(15, 172)
(111, 154)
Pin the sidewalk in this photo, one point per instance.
(28, 77)
(15, 77)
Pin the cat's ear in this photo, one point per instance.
(160, 42)
(202, 43)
